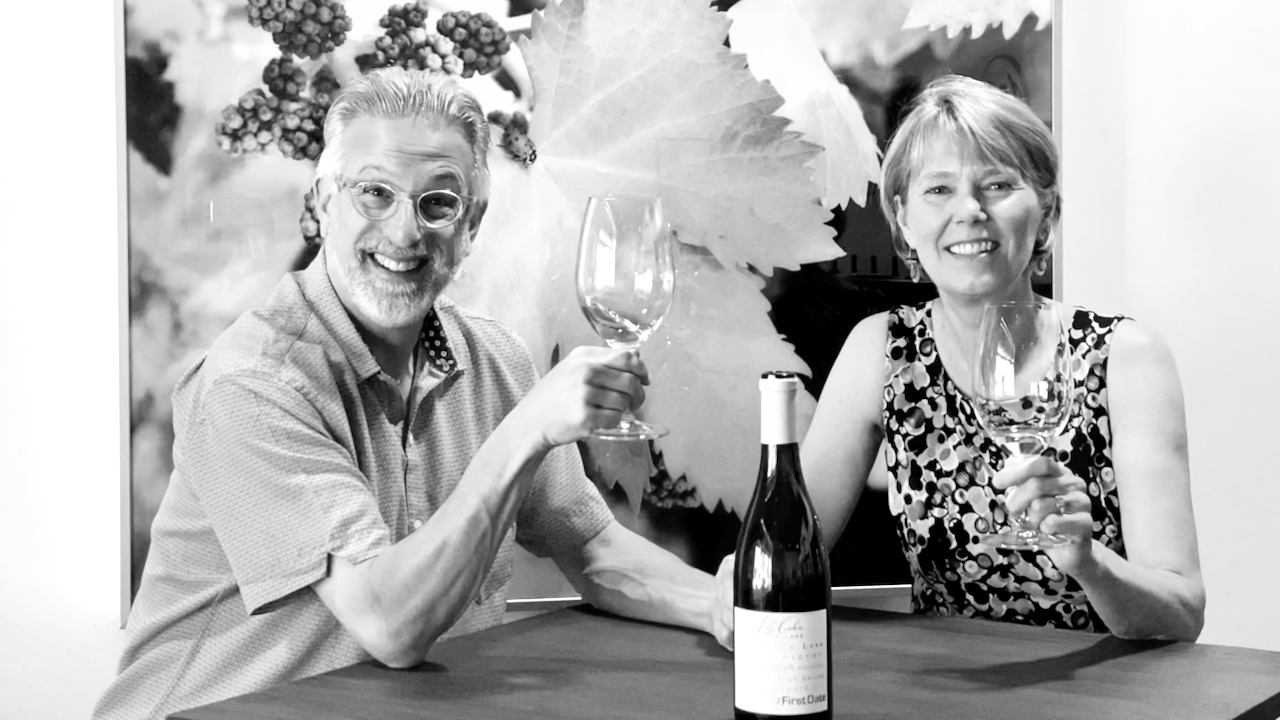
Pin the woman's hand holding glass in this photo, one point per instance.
(1056, 502)
(1022, 395)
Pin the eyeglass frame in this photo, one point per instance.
(400, 196)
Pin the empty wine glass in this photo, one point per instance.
(625, 280)
(1021, 388)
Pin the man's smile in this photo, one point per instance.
(398, 265)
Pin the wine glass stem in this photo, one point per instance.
(628, 418)
(1021, 522)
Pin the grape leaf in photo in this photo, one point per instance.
(623, 104)
(610, 84)
(978, 15)
(781, 50)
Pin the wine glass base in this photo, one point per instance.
(631, 430)
(1023, 540)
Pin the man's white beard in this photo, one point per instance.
(393, 306)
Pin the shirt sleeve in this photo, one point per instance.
(563, 509)
(279, 491)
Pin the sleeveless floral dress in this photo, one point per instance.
(941, 464)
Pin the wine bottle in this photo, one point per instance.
(782, 579)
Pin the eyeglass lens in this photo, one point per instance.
(438, 206)
(435, 207)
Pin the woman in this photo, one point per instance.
(970, 190)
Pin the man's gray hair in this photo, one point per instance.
(395, 93)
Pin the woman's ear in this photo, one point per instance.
(900, 214)
(1044, 239)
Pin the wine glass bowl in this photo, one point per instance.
(1022, 393)
(625, 279)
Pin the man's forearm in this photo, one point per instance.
(415, 590)
(625, 574)
(1138, 602)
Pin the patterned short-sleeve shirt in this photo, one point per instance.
(291, 444)
(941, 464)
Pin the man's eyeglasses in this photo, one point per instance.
(378, 201)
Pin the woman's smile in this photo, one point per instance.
(973, 248)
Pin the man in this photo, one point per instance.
(354, 460)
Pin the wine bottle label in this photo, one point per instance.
(780, 662)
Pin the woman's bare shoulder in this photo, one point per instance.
(859, 370)
(869, 334)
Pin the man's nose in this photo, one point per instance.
(402, 227)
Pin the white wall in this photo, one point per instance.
(59, 366)
(1172, 175)
(1171, 155)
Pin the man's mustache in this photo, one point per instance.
(418, 251)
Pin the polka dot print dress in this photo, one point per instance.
(941, 464)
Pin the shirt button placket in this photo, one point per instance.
(413, 502)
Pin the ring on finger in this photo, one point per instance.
(1061, 502)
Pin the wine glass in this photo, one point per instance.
(625, 280)
(1022, 392)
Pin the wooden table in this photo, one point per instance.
(580, 663)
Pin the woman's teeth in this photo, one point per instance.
(972, 248)
(396, 265)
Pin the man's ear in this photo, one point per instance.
(477, 214)
(324, 190)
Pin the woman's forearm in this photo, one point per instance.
(1142, 603)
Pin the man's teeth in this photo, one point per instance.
(972, 248)
(396, 265)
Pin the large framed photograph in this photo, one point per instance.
(224, 122)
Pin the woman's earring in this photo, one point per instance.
(1040, 252)
(913, 265)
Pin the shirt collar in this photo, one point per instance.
(447, 316)
(435, 343)
(437, 329)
